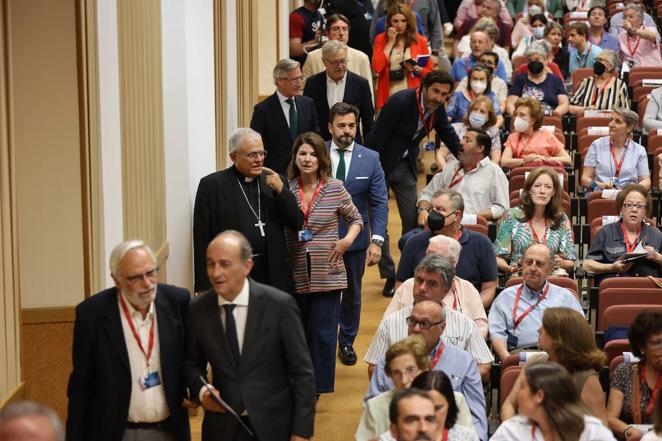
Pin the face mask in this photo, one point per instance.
(478, 86)
(436, 220)
(534, 10)
(477, 120)
(520, 124)
(538, 32)
(535, 67)
(599, 68)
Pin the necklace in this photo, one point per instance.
(257, 215)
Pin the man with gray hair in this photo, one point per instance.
(284, 115)
(336, 84)
(252, 199)
(128, 350)
(30, 421)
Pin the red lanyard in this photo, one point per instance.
(437, 356)
(306, 212)
(656, 389)
(428, 127)
(445, 437)
(597, 91)
(455, 179)
(150, 345)
(633, 48)
(617, 164)
(518, 320)
(602, 34)
(629, 246)
(535, 235)
(533, 431)
(588, 52)
(456, 302)
(458, 234)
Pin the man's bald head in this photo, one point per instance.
(29, 421)
(445, 246)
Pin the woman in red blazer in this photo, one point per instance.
(392, 48)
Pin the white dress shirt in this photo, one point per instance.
(357, 62)
(149, 405)
(519, 428)
(285, 106)
(335, 92)
(335, 158)
(240, 312)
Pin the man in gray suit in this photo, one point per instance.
(252, 337)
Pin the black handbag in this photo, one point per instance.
(395, 75)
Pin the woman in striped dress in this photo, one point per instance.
(316, 250)
(604, 90)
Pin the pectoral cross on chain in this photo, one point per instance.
(260, 225)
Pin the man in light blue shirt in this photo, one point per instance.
(516, 314)
(429, 322)
(480, 43)
(582, 52)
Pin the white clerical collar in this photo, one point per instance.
(334, 146)
(240, 300)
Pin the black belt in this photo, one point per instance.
(165, 424)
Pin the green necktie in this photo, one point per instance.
(294, 120)
(340, 171)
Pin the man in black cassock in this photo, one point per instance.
(253, 200)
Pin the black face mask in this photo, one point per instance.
(599, 68)
(535, 67)
(436, 220)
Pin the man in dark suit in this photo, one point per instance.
(340, 85)
(128, 354)
(362, 173)
(405, 120)
(252, 199)
(252, 337)
(284, 115)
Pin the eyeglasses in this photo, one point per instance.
(630, 206)
(423, 324)
(337, 63)
(294, 80)
(410, 371)
(151, 274)
(657, 343)
(255, 155)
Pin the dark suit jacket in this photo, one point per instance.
(357, 92)
(365, 183)
(274, 381)
(269, 119)
(396, 125)
(215, 211)
(99, 388)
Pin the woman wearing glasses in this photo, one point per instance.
(613, 241)
(639, 382)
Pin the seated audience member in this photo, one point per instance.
(392, 48)
(479, 85)
(637, 383)
(439, 388)
(480, 115)
(492, 9)
(337, 28)
(30, 421)
(616, 160)
(479, 45)
(539, 219)
(530, 144)
(412, 416)
(433, 279)
(443, 215)
(537, 25)
(539, 83)
(516, 314)
(598, 35)
(616, 20)
(489, 27)
(428, 320)
(481, 182)
(655, 433)
(582, 51)
(653, 115)
(463, 296)
(558, 54)
(470, 10)
(613, 241)
(548, 63)
(602, 91)
(554, 7)
(498, 86)
(639, 43)
(567, 339)
(549, 404)
(523, 26)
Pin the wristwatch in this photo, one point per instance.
(377, 242)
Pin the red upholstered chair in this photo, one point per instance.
(565, 282)
(578, 75)
(615, 348)
(627, 296)
(624, 315)
(508, 378)
(614, 363)
(601, 207)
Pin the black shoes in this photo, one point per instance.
(347, 355)
(389, 287)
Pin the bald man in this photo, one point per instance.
(29, 421)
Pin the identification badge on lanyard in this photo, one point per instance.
(511, 341)
(429, 146)
(305, 235)
(150, 380)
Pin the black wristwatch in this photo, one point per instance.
(377, 242)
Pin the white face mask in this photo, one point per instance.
(520, 124)
(478, 86)
(538, 32)
(477, 120)
(534, 10)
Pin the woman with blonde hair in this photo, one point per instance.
(481, 115)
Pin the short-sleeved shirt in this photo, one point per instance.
(477, 262)
(542, 142)
(304, 24)
(460, 103)
(585, 59)
(546, 92)
(607, 41)
(634, 167)
(462, 66)
(621, 380)
(513, 236)
(639, 51)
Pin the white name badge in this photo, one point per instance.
(598, 130)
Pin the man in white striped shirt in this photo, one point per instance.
(432, 280)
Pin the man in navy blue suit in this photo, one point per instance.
(361, 170)
(284, 115)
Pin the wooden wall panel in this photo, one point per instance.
(247, 59)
